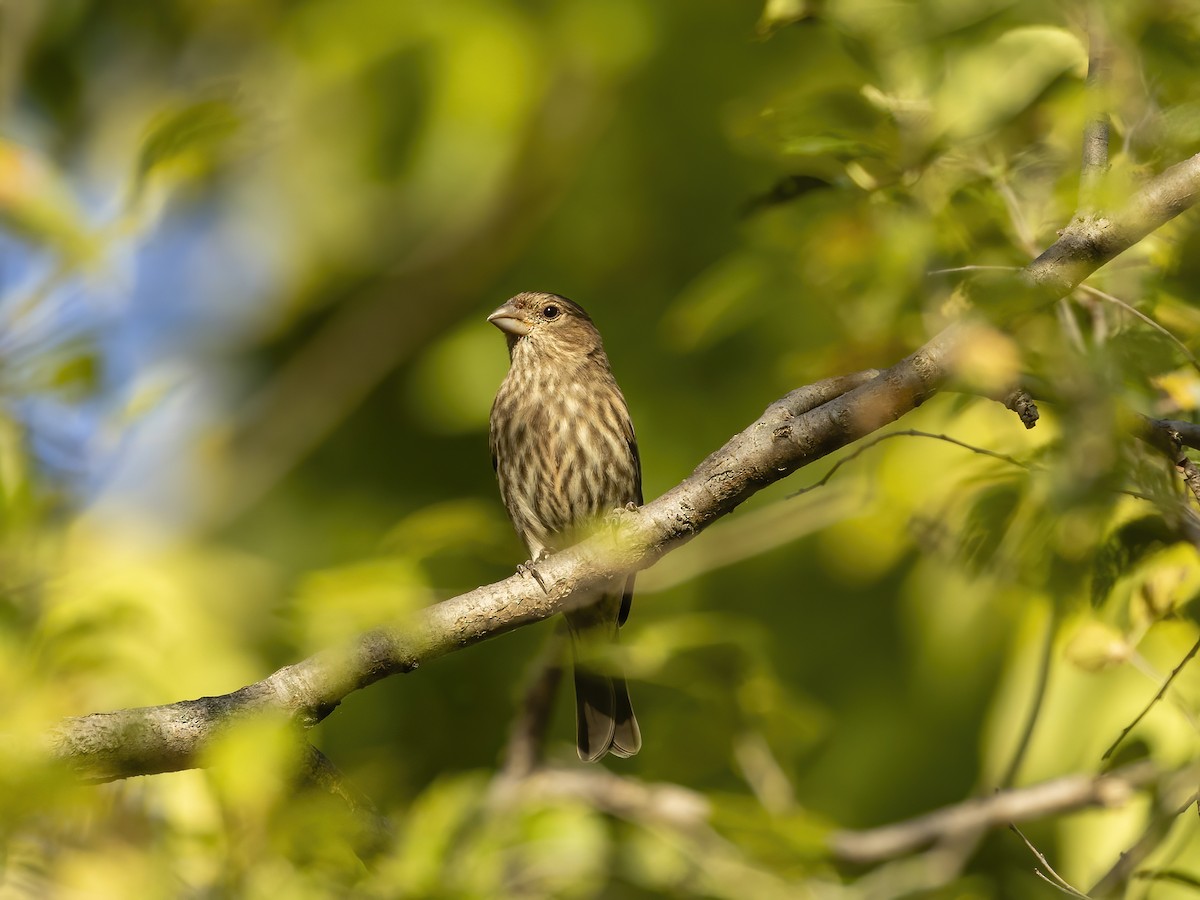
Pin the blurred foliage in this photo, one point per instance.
(246, 251)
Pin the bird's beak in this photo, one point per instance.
(509, 320)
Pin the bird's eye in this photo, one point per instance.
(551, 312)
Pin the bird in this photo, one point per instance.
(566, 457)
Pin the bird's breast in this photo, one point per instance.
(564, 456)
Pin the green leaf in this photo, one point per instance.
(447, 526)
(1144, 353)
(718, 303)
(787, 843)
(827, 144)
(1096, 646)
(988, 520)
(186, 140)
(433, 827)
(778, 13)
(37, 204)
(72, 370)
(454, 381)
(1129, 544)
(992, 83)
(334, 604)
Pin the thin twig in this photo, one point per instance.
(751, 534)
(762, 772)
(1069, 891)
(907, 432)
(1054, 878)
(954, 269)
(1156, 831)
(524, 751)
(1039, 697)
(1066, 318)
(1161, 692)
(1025, 238)
(1132, 310)
(375, 830)
(922, 873)
(1146, 668)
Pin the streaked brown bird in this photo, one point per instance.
(565, 456)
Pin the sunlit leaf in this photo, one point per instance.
(454, 382)
(825, 145)
(38, 204)
(996, 80)
(716, 303)
(447, 525)
(988, 361)
(786, 843)
(252, 765)
(1145, 353)
(778, 13)
(14, 472)
(432, 825)
(71, 370)
(186, 140)
(1096, 646)
(335, 604)
(1128, 544)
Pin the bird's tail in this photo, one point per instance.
(604, 719)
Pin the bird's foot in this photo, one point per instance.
(616, 516)
(620, 512)
(528, 569)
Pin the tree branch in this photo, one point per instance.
(1087, 244)
(629, 798)
(149, 740)
(802, 427)
(1002, 808)
(1095, 134)
(374, 830)
(1177, 432)
(524, 751)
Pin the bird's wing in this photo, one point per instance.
(627, 597)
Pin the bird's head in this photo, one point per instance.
(547, 323)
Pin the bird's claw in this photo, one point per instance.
(527, 569)
(618, 514)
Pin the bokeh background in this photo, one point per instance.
(247, 253)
